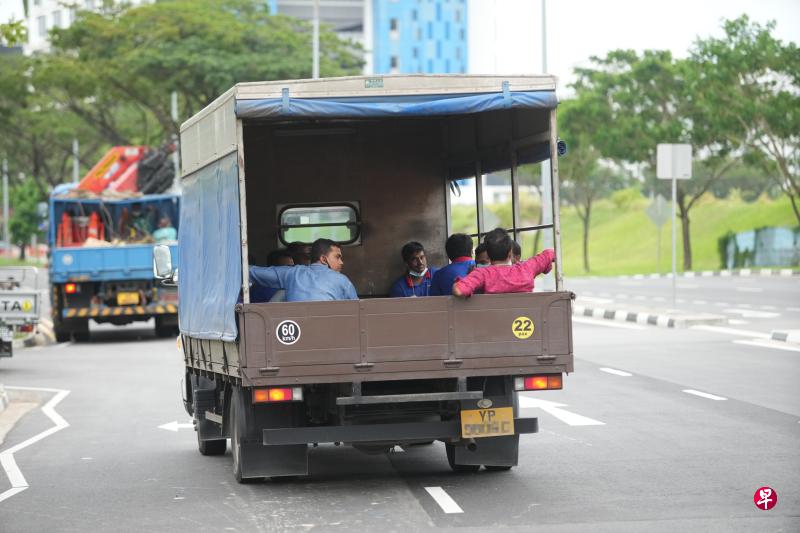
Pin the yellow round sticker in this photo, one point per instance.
(27, 305)
(522, 328)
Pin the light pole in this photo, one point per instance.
(6, 237)
(315, 42)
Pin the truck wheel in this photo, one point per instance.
(61, 335)
(81, 331)
(211, 447)
(238, 431)
(165, 328)
(493, 468)
(451, 459)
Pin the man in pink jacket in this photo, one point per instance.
(503, 276)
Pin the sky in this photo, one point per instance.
(505, 35)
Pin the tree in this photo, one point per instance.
(24, 220)
(13, 33)
(748, 87)
(121, 65)
(583, 177)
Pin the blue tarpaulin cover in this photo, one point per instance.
(209, 251)
(394, 106)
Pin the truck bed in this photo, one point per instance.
(108, 263)
(404, 338)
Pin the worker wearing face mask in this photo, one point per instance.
(417, 279)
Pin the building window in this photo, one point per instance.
(438, 11)
(438, 49)
(89, 4)
(56, 19)
(419, 34)
(447, 66)
(37, 3)
(463, 34)
(457, 15)
(393, 24)
(430, 30)
(413, 14)
(415, 52)
(447, 30)
(430, 66)
(394, 62)
(458, 53)
(42, 23)
(306, 223)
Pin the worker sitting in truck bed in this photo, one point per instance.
(503, 276)
(322, 280)
(459, 250)
(417, 279)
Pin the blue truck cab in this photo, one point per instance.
(101, 261)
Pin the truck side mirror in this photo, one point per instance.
(162, 262)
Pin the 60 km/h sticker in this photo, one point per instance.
(288, 332)
(522, 328)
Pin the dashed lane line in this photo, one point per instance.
(448, 504)
(704, 395)
(7, 462)
(615, 372)
(606, 323)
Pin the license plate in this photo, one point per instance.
(493, 422)
(127, 298)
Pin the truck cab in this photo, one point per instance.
(370, 163)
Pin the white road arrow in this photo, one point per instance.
(175, 426)
(553, 408)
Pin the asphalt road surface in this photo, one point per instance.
(657, 430)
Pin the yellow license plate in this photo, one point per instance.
(487, 422)
(127, 298)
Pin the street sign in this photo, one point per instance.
(674, 161)
(658, 211)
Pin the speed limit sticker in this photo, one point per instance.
(522, 328)
(287, 332)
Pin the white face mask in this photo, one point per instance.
(479, 265)
(417, 274)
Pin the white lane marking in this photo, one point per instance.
(553, 408)
(621, 296)
(699, 302)
(737, 322)
(397, 449)
(7, 462)
(606, 323)
(704, 395)
(593, 300)
(615, 372)
(749, 313)
(732, 331)
(448, 504)
(63, 344)
(639, 297)
(749, 289)
(767, 307)
(659, 299)
(793, 309)
(175, 425)
(768, 344)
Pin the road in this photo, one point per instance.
(625, 447)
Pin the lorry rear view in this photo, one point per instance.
(370, 163)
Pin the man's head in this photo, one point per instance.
(328, 253)
(300, 252)
(516, 252)
(164, 222)
(413, 254)
(498, 244)
(482, 256)
(458, 245)
(279, 257)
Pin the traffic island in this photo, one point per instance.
(665, 319)
(786, 335)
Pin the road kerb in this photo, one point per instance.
(660, 319)
(3, 398)
(743, 272)
(786, 335)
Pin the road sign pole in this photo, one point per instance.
(674, 254)
(6, 238)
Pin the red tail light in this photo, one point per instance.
(278, 394)
(541, 382)
(70, 288)
(26, 328)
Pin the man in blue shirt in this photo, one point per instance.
(417, 280)
(322, 280)
(459, 250)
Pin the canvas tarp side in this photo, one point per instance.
(210, 276)
(397, 106)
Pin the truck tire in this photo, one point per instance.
(238, 431)
(81, 331)
(211, 447)
(451, 459)
(62, 335)
(493, 468)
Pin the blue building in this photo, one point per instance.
(399, 36)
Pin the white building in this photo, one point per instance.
(44, 15)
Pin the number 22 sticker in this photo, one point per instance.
(522, 328)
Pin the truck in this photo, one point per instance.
(20, 305)
(370, 162)
(101, 260)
